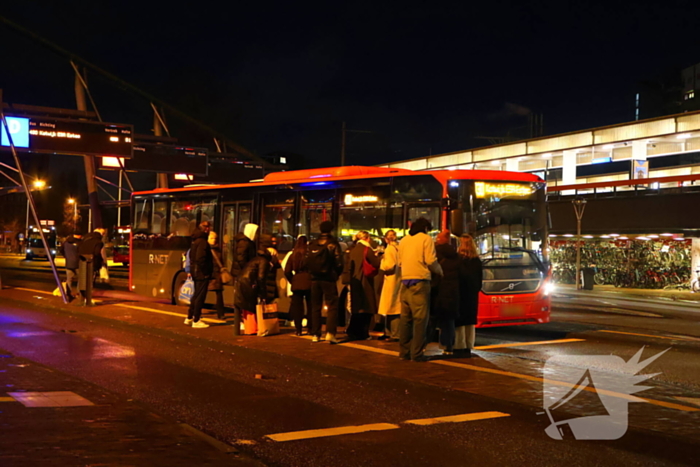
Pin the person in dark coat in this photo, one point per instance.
(69, 250)
(215, 284)
(471, 276)
(201, 269)
(243, 248)
(251, 282)
(363, 299)
(445, 294)
(93, 245)
(300, 281)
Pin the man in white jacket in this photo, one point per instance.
(418, 261)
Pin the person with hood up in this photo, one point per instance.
(202, 268)
(445, 298)
(243, 248)
(390, 300)
(69, 250)
(362, 267)
(418, 263)
(251, 284)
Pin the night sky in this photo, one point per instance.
(425, 77)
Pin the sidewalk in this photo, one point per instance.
(50, 418)
(611, 291)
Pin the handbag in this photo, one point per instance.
(186, 291)
(104, 275)
(368, 270)
(268, 319)
(226, 277)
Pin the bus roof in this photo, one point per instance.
(359, 172)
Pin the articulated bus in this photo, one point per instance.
(505, 212)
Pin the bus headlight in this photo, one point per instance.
(28, 250)
(53, 252)
(549, 288)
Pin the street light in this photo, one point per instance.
(38, 185)
(75, 213)
(579, 206)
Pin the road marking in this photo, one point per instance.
(519, 344)
(537, 379)
(181, 315)
(467, 417)
(689, 400)
(651, 335)
(343, 430)
(34, 290)
(8, 399)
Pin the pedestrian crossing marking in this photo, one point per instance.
(467, 417)
(325, 432)
(519, 344)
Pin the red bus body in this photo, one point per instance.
(156, 272)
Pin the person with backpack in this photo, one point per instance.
(362, 268)
(244, 248)
(202, 268)
(300, 282)
(69, 250)
(324, 261)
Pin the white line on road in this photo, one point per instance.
(151, 310)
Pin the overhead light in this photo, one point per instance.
(643, 238)
(452, 168)
(667, 235)
(608, 147)
(605, 236)
(454, 184)
(622, 238)
(552, 235)
(614, 235)
(684, 136)
(568, 235)
(588, 236)
(653, 236)
(547, 155)
(679, 238)
(601, 160)
(495, 162)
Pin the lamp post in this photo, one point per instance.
(75, 213)
(37, 185)
(579, 206)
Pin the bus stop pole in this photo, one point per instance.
(32, 204)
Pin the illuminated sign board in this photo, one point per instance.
(72, 137)
(352, 199)
(503, 190)
(163, 158)
(19, 130)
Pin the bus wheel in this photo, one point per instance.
(178, 281)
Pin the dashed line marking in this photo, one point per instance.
(181, 315)
(520, 344)
(467, 417)
(8, 399)
(651, 335)
(325, 432)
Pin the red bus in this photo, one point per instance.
(506, 213)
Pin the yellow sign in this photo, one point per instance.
(503, 190)
(351, 199)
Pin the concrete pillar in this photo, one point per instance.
(569, 171)
(513, 164)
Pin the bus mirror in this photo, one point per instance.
(457, 221)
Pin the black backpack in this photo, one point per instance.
(318, 259)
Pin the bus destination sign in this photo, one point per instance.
(71, 137)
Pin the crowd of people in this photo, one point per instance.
(419, 286)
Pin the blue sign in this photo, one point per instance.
(19, 129)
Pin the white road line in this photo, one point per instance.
(467, 417)
(181, 315)
(519, 344)
(343, 430)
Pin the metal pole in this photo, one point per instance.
(75, 216)
(158, 131)
(119, 209)
(342, 147)
(30, 200)
(578, 252)
(26, 226)
(89, 161)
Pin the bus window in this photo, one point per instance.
(160, 211)
(142, 215)
(431, 212)
(236, 216)
(182, 218)
(316, 207)
(206, 211)
(278, 220)
(363, 209)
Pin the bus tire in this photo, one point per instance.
(179, 279)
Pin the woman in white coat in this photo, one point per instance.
(389, 301)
